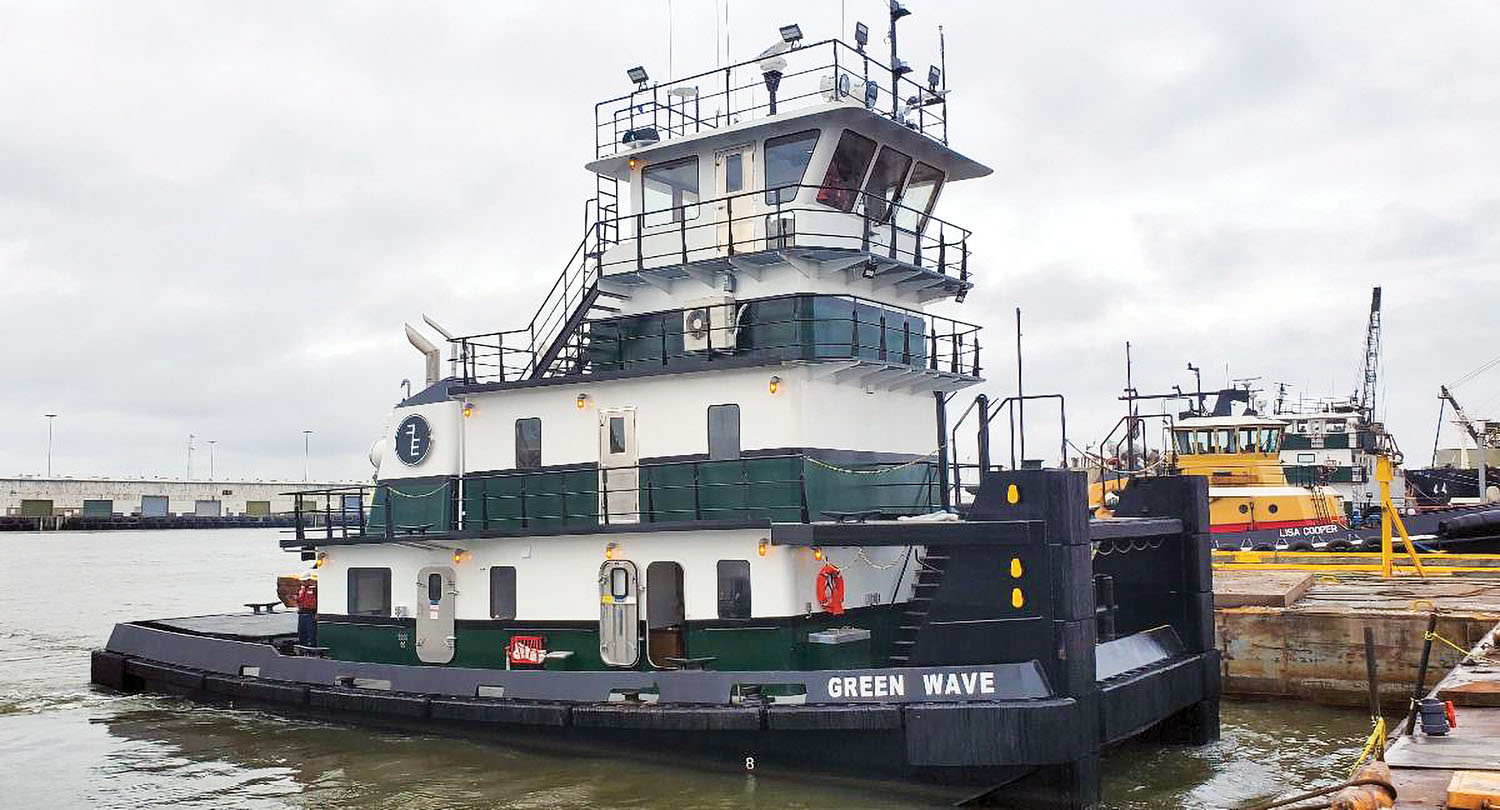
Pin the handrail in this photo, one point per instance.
(913, 338)
(945, 255)
(915, 105)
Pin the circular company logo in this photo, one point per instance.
(413, 440)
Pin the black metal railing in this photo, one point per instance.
(330, 512)
(786, 488)
(788, 327)
(713, 229)
(819, 73)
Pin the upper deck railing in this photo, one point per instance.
(819, 73)
(727, 226)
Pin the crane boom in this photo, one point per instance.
(1372, 359)
(1459, 417)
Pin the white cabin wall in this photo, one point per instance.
(442, 458)
(557, 577)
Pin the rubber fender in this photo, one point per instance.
(1367, 797)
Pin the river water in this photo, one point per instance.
(65, 744)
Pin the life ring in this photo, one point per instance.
(830, 589)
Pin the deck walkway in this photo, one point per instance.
(1422, 766)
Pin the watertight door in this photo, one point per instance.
(619, 614)
(436, 592)
(733, 169)
(619, 475)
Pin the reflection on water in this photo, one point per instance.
(64, 744)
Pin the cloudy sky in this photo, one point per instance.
(214, 217)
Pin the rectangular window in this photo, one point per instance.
(369, 591)
(734, 173)
(723, 432)
(1184, 442)
(1247, 440)
(734, 589)
(850, 160)
(503, 592)
(616, 435)
(921, 193)
(1223, 441)
(1270, 440)
(786, 162)
(528, 443)
(885, 182)
(670, 192)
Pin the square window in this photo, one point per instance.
(369, 591)
(734, 589)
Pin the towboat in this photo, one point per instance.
(701, 501)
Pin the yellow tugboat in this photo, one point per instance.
(1251, 503)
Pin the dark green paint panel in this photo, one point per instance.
(775, 644)
(426, 502)
(532, 500)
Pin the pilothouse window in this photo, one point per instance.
(670, 192)
(884, 185)
(786, 162)
(921, 193)
(850, 160)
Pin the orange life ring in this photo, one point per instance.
(831, 590)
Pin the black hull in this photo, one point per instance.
(954, 750)
(1425, 528)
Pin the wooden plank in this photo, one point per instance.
(1259, 588)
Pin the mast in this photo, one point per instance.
(1462, 419)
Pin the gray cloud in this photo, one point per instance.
(213, 218)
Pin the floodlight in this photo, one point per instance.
(637, 74)
(898, 11)
(861, 35)
(933, 77)
(900, 67)
(872, 94)
(791, 33)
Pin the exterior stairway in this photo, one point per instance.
(931, 565)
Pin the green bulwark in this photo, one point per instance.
(423, 504)
(778, 489)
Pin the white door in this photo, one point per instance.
(436, 590)
(734, 171)
(619, 614)
(619, 475)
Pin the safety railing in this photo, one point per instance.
(783, 488)
(330, 512)
(777, 328)
(825, 72)
(736, 224)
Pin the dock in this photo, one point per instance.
(1423, 767)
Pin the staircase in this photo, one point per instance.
(931, 566)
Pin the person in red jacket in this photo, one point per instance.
(307, 611)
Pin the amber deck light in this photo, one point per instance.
(774, 384)
(581, 400)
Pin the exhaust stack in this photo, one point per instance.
(429, 351)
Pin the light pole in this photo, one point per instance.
(190, 457)
(306, 445)
(211, 443)
(50, 417)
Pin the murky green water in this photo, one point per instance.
(65, 744)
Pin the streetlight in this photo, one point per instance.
(211, 443)
(306, 444)
(50, 417)
(190, 457)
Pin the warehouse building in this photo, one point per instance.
(35, 496)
